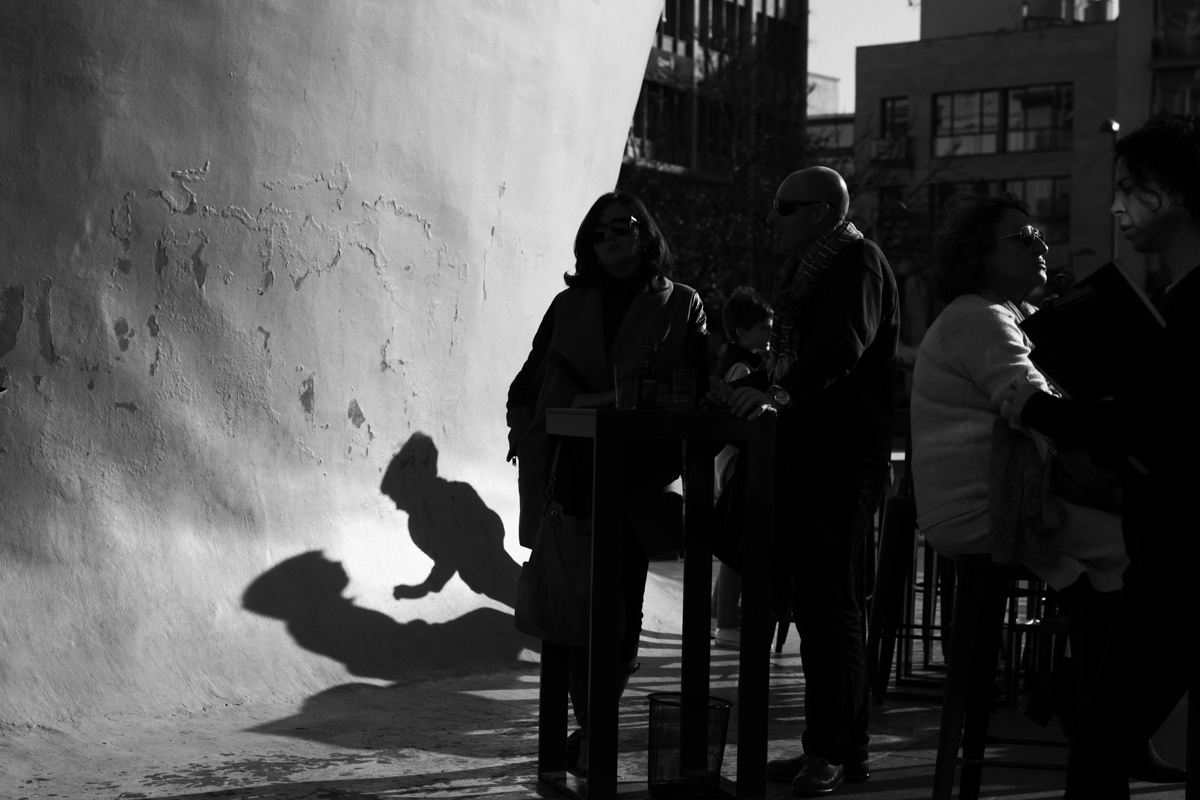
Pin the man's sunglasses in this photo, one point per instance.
(788, 207)
(1027, 234)
(619, 227)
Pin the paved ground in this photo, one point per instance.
(471, 737)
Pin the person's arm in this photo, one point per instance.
(1099, 427)
(992, 351)
(522, 392)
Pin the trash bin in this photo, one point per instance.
(666, 776)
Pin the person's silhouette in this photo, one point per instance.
(449, 522)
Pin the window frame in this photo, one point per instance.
(943, 138)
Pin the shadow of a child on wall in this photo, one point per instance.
(451, 524)
(305, 591)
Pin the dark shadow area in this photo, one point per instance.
(305, 592)
(450, 523)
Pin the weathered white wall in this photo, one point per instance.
(247, 249)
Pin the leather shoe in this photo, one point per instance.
(1147, 765)
(818, 777)
(785, 770)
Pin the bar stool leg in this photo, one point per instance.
(969, 605)
(892, 574)
(983, 686)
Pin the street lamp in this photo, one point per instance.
(1112, 127)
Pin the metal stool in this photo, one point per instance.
(979, 616)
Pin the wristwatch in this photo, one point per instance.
(780, 396)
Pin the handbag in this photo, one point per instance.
(554, 590)
(1078, 479)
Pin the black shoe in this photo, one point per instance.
(1147, 765)
(818, 777)
(577, 756)
(785, 770)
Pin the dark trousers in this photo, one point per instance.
(634, 567)
(823, 511)
(1145, 669)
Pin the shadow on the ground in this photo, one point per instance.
(501, 782)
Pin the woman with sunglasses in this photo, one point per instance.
(987, 259)
(619, 297)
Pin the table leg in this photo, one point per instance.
(754, 661)
(607, 531)
(697, 588)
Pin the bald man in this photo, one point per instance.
(833, 342)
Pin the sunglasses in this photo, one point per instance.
(1027, 234)
(788, 207)
(618, 227)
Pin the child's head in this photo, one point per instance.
(747, 319)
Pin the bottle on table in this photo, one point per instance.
(648, 377)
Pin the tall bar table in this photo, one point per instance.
(611, 431)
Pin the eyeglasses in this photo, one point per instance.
(1027, 234)
(788, 207)
(618, 227)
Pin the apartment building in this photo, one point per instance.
(1021, 96)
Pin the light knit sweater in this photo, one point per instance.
(965, 367)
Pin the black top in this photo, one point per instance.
(841, 381)
(1155, 420)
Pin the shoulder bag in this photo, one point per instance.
(554, 591)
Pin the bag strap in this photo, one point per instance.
(554, 476)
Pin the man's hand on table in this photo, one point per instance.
(750, 403)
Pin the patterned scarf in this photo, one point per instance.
(794, 287)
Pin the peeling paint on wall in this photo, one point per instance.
(130, 407)
(355, 414)
(199, 267)
(12, 314)
(266, 334)
(152, 325)
(307, 398)
(160, 256)
(42, 315)
(124, 333)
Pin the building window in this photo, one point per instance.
(891, 209)
(722, 21)
(1176, 91)
(966, 123)
(1039, 118)
(1015, 120)
(660, 123)
(893, 117)
(1049, 200)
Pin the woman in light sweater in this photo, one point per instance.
(987, 259)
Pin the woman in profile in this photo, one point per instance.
(987, 259)
(619, 296)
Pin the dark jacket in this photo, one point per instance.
(1154, 420)
(841, 381)
(569, 356)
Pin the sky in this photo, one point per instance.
(836, 27)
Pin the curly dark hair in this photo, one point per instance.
(1166, 152)
(966, 234)
(656, 254)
